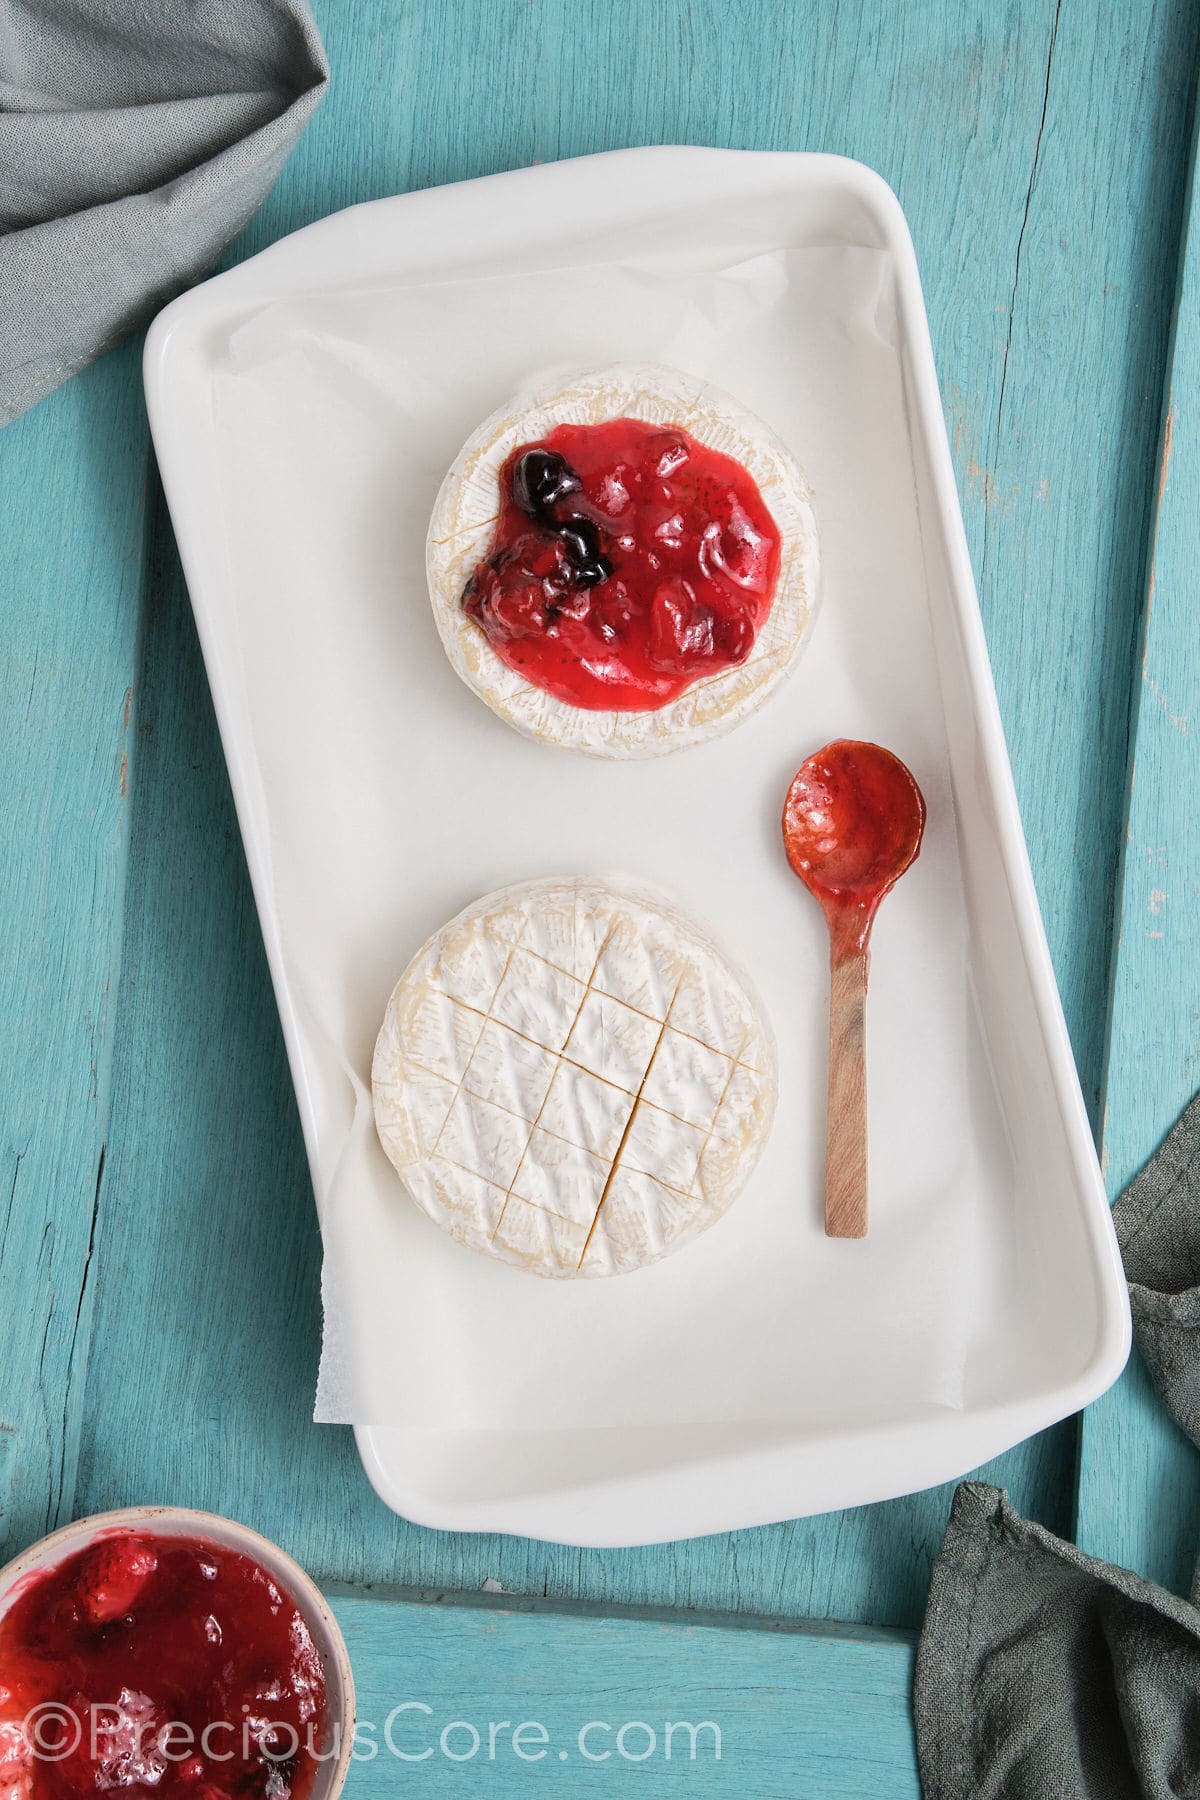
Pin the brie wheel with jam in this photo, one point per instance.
(465, 519)
(570, 1077)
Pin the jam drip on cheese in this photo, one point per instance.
(629, 561)
(163, 1666)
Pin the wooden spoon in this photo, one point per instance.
(852, 824)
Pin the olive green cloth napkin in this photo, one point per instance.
(136, 139)
(1043, 1674)
(1158, 1227)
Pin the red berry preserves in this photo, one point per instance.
(167, 1667)
(629, 561)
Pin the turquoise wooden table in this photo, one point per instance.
(158, 1244)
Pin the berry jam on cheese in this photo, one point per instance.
(189, 1671)
(629, 561)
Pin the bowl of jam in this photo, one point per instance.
(169, 1653)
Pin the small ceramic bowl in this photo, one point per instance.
(181, 1521)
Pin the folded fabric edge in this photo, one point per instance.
(940, 1677)
(983, 1522)
(116, 299)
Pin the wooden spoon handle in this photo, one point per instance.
(846, 1114)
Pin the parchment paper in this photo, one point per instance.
(394, 798)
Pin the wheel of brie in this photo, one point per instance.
(570, 1077)
(623, 562)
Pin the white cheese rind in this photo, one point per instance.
(570, 1077)
(464, 517)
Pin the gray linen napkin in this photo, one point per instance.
(1158, 1227)
(136, 139)
(1042, 1673)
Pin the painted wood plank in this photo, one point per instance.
(564, 1703)
(71, 524)
(1139, 1491)
(1058, 465)
(205, 1259)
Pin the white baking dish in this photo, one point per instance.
(304, 407)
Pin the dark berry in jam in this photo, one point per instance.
(543, 485)
(628, 562)
(581, 541)
(540, 479)
(164, 1666)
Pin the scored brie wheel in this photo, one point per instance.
(570, 1077)
(464, 517)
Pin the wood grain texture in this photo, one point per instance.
(1039, 152)
(71, 524)
(782, 1712)
(1139, 1489)
(846, 1203)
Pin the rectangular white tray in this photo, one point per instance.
(765, 1372)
